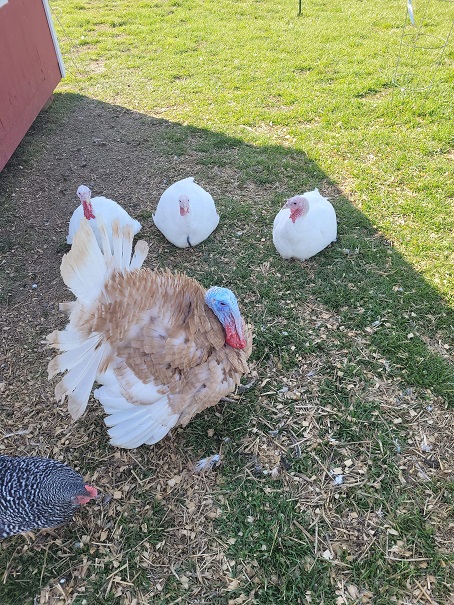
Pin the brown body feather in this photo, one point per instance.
(158, 326)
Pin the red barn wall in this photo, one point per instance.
(29, 70)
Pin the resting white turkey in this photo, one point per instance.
(186, 213)
(305, 226)
(98, 207)
(162, 347)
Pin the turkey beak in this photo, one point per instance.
(84, 198)
(184, 205)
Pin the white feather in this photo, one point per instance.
(73, 355)
(191, 229)
(85, 270)
(132, 425)
(309, 234)
(77, 383)
(136, 390)
(140, 254)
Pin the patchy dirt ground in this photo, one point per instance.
(114, 152)
(119, 154)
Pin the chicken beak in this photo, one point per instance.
(83, 499)
(92, 491)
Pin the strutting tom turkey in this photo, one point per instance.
(161, 346)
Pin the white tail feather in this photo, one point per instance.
(77, 384)
(72, 355)
(140, 254)
(105, 236)
(133, 425)
(126, 249)
(66, 306)
(70, 338)
(117, 243)
(85, 270)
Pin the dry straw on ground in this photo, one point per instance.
(158, 516)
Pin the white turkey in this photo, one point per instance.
(162, 347)
(98, 207)
(305, 226)
(186, 214)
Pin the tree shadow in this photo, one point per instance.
(358, 307)
(132, 158)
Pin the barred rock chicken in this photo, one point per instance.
(162, 347)
(98, 207)
(304, 226)
(38, 493)
(186, 214)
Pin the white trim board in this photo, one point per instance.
(54, 37)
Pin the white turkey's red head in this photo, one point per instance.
(299, 206)
(183, 201)
(84, 194)
(90, 493)
(224, 305)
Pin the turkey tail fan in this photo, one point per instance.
(122, 238)
(80, 360)
(85, 269)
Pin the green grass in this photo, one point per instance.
(352, 348)
(320, 84)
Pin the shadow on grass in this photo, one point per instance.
(131, 157)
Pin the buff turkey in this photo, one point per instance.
(161, 346)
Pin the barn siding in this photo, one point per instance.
(29, 70)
